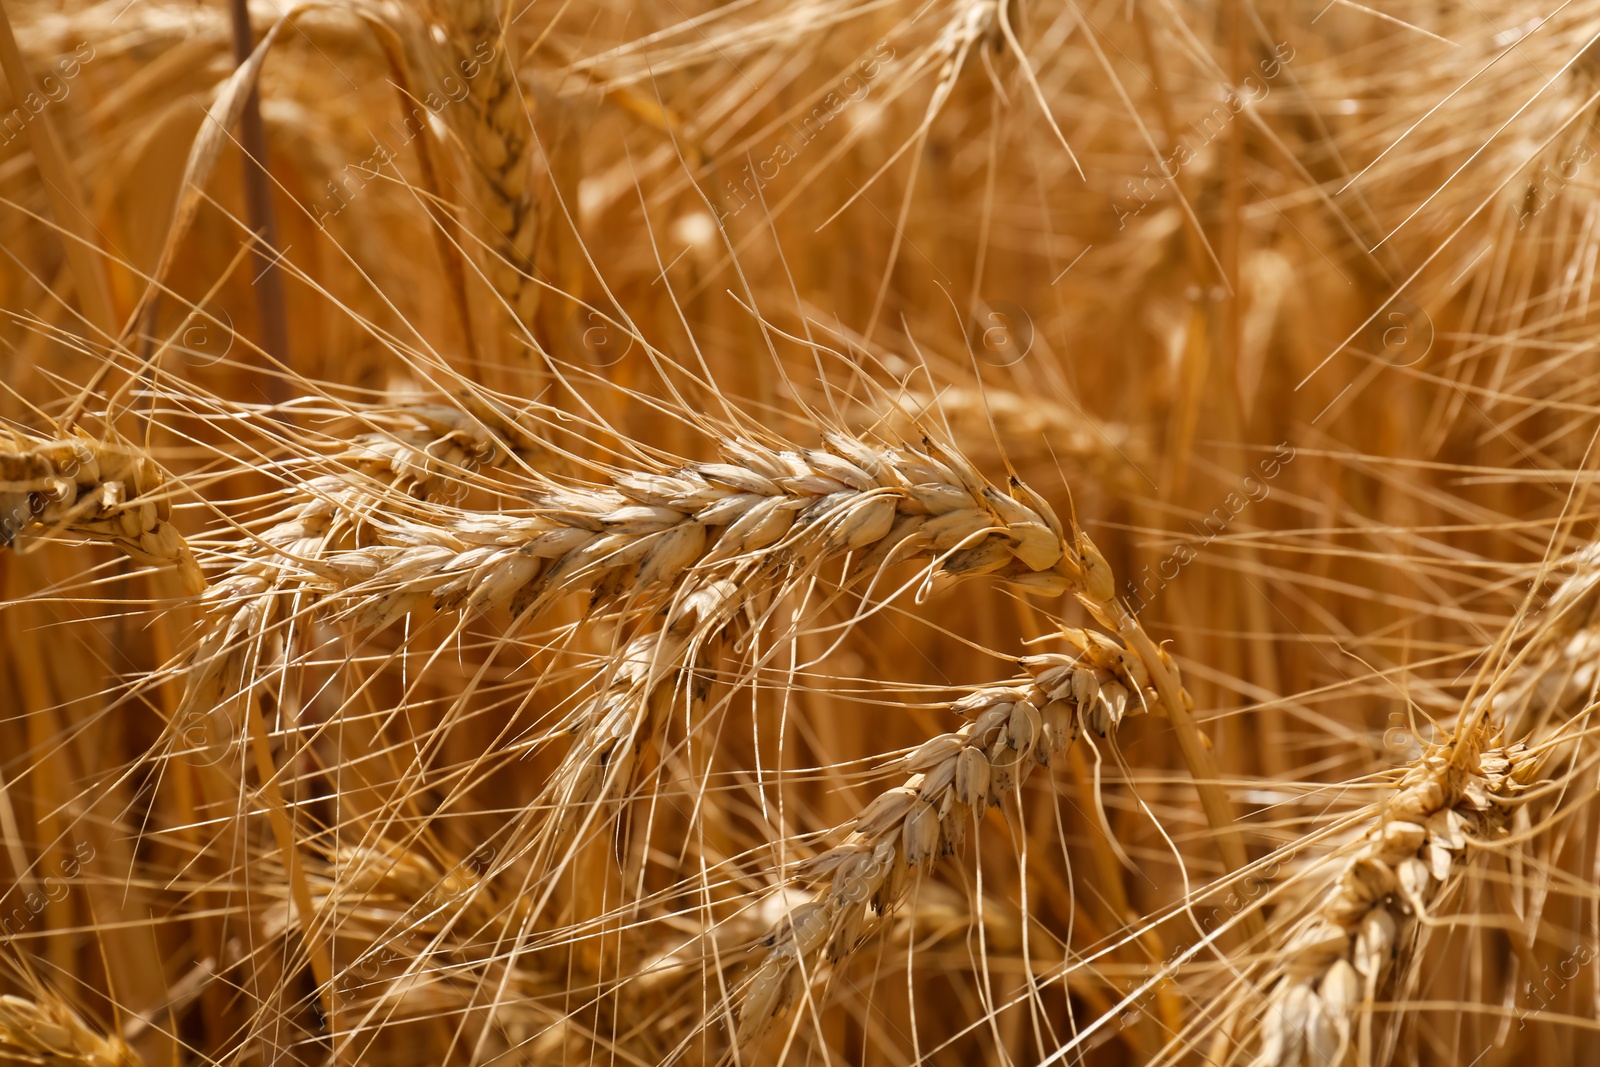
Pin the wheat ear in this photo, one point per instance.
(953, 779)
(49, 1033)
(647, 535)
(1558, 671)
(763, 509)
(788, 517)
(1027, 429)
(101, 491)
(424, 452)
(1336, 961)
(386, 897)
(492, 122)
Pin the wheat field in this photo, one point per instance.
(908, 531)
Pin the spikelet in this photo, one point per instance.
(430, 451)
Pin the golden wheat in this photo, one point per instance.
(50, 1033)
(100, 491)
(1336, 961)
(571, 655)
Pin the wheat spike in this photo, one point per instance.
(1335, 962)
(49, 1033)
(776, 517)
(1027, 430)
(953, 778)
(766, 513)
(1557, 673)
(492, 122)
(98, 490)
(763, 511)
